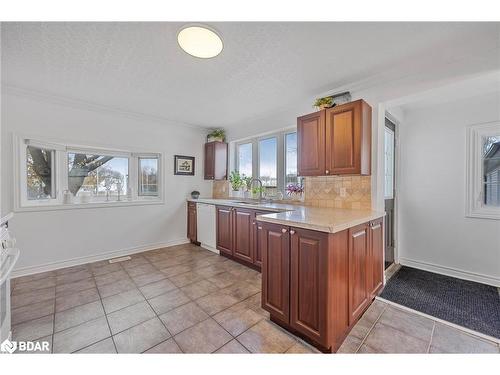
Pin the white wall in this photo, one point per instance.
(434, 233)
(51, 237)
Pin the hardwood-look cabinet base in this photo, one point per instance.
(317, 285)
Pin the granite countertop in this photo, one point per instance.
(330, 220)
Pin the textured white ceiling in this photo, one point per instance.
(265, 68)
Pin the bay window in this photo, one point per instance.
(59, 176)
(272, 158)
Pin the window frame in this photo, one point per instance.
(60, 181)
(474, 205)
(280, 157)
(159, 175)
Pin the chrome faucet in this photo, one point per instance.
(260, 187)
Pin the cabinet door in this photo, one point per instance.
(309, 283)
(242, 234)
(224, 225)
(191, 222)
(358, 280)
(311, 144)
(376, 259)
(209, 161)
(220, 161)
(275, 246)
(256, 249)
(343, 139)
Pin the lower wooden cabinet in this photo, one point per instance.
(274, 243)
(317, 284)
(224, 229)
(359, 295)
(309, 283)
(191, 222)
(238, 235)
(242, 233)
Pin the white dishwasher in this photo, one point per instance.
(206, 226)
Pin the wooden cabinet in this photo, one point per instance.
(309, 283)
(215, 161)
(237, 234)
(275, 246)
(224, 228)
(375, 272)
(311, 144)
(335, 141)
(191, 222)
(318, 284)
(359, 295)
(242, 233)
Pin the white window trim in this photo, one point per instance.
(474, 206)
(22, 204)
(280, 149)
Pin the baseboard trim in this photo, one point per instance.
(445, 322)
(449, 271)
(31, 270)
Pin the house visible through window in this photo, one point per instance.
(100, 175)
(148, 176)
(61, 176)
(268, 162)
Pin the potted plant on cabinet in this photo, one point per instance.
(216, 135)
(322, 103)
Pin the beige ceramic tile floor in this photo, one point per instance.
(185, 299)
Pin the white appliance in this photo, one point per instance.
(205, 223)
(8, 259)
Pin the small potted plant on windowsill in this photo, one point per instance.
(237, 183)
(216, 135)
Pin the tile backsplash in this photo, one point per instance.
(353, 192)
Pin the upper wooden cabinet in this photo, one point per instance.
(335, 141)
(311, 144)
(215, 161)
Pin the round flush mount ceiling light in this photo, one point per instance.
(200, 41)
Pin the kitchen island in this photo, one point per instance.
(321, 267)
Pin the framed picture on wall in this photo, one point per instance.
(184, 165)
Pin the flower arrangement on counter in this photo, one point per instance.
(295, 191)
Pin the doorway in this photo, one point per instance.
(389, 189)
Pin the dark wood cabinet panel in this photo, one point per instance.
(215, 161)
(191, 222)
(242, 234)
(275, 247)
(224, 225)
(309, 283)
(358, 261)
(375, 271)
(348, 138)
(311, 144)
(256, 233)
(335, 141)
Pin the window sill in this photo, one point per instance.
(80, 206)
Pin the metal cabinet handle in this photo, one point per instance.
(327, 171)
(292, 231)
(254, 223)
(260, 227)
(283, 230)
